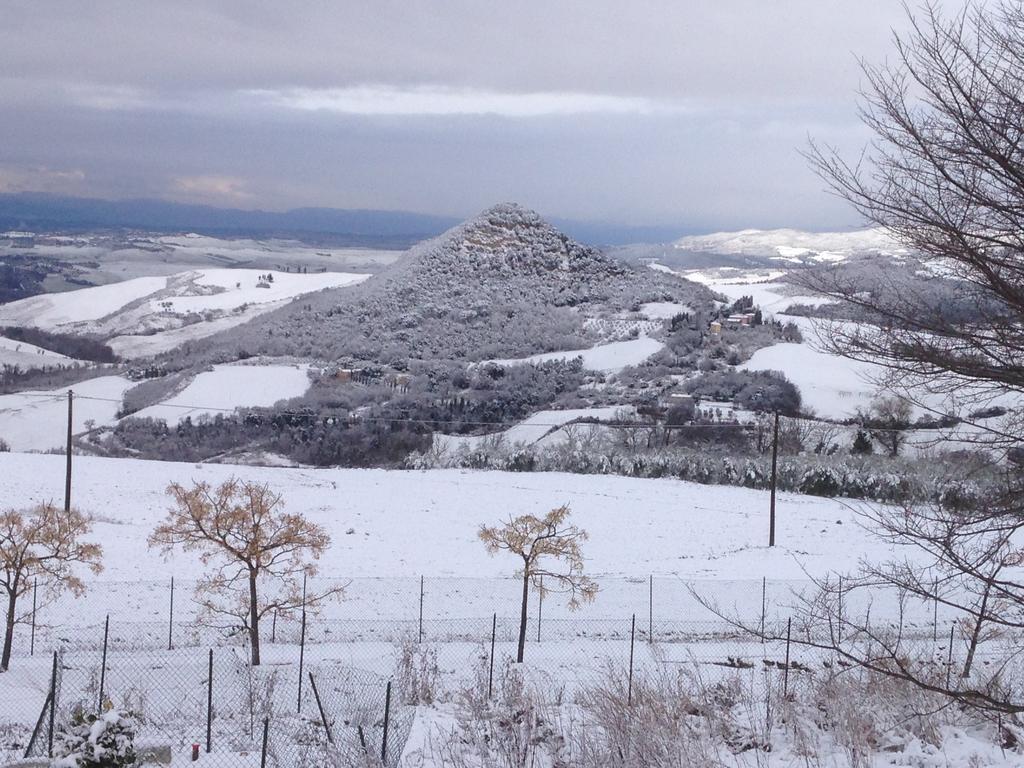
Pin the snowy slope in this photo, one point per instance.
(772, 297)
(606, 358)
(407, 523)
(227, 387)
(53, 310)
(794, 245)
(26, 355)
(530, 430)
(835, 387)
(153, 314)
(37, 421)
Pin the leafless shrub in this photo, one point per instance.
(417, 674)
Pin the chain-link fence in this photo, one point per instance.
(339, 686)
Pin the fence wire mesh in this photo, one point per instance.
(342, 687)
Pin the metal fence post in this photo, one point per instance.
(32, 642)
(490, 672)
(209, 704)
(170, 620)
(764, 604)
(949, 661)
(320, 706)
(103, 663)
(53, 706)
(302, 645)
(632, 641)
(650, 609)
(540, 605)
(421, 610)
(387, 723)
(263, 748)
(785, 671)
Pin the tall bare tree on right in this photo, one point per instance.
(944, 174)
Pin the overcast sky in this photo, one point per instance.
(682, 112)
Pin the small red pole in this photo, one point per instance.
(195, 752)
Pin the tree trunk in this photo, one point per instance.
(976, 634)
(12, 601)
(254, 621)
(522, 616)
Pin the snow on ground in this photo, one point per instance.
(663, 310)
(134, 346)
(37, 421)
(408, 523)
(606, 358)
(793, 244)
(243, 286)
(835, 387)
(531, 430)
(26, 355)
(771, 297)
(148, 315)
(52, 310)
(227, 387)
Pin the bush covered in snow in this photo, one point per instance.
(96, 741)
(855, 477)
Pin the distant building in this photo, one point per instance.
(740, 320)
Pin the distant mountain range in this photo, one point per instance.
(395, 229)
(793, 244)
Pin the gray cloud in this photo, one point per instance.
(648, 112)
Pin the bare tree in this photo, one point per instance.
(260, 553)
(887, 421)
(42, 545)
(944, 175)
(552, 560)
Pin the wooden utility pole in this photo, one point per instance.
(67, 475)
(775, 463)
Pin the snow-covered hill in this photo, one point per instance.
(25, 355)
(149, 314)
(505, 284)
(794, 245)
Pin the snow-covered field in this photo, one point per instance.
(37, 421)
(606, 358)
(227, 387)
(771, 296)
(147, 315)
(26, 355)
(793, 244)
(539, 427)
(834, 387)
(663, 310)
(408, 523)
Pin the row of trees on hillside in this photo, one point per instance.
(258, 555)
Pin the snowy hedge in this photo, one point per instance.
(855, 477)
